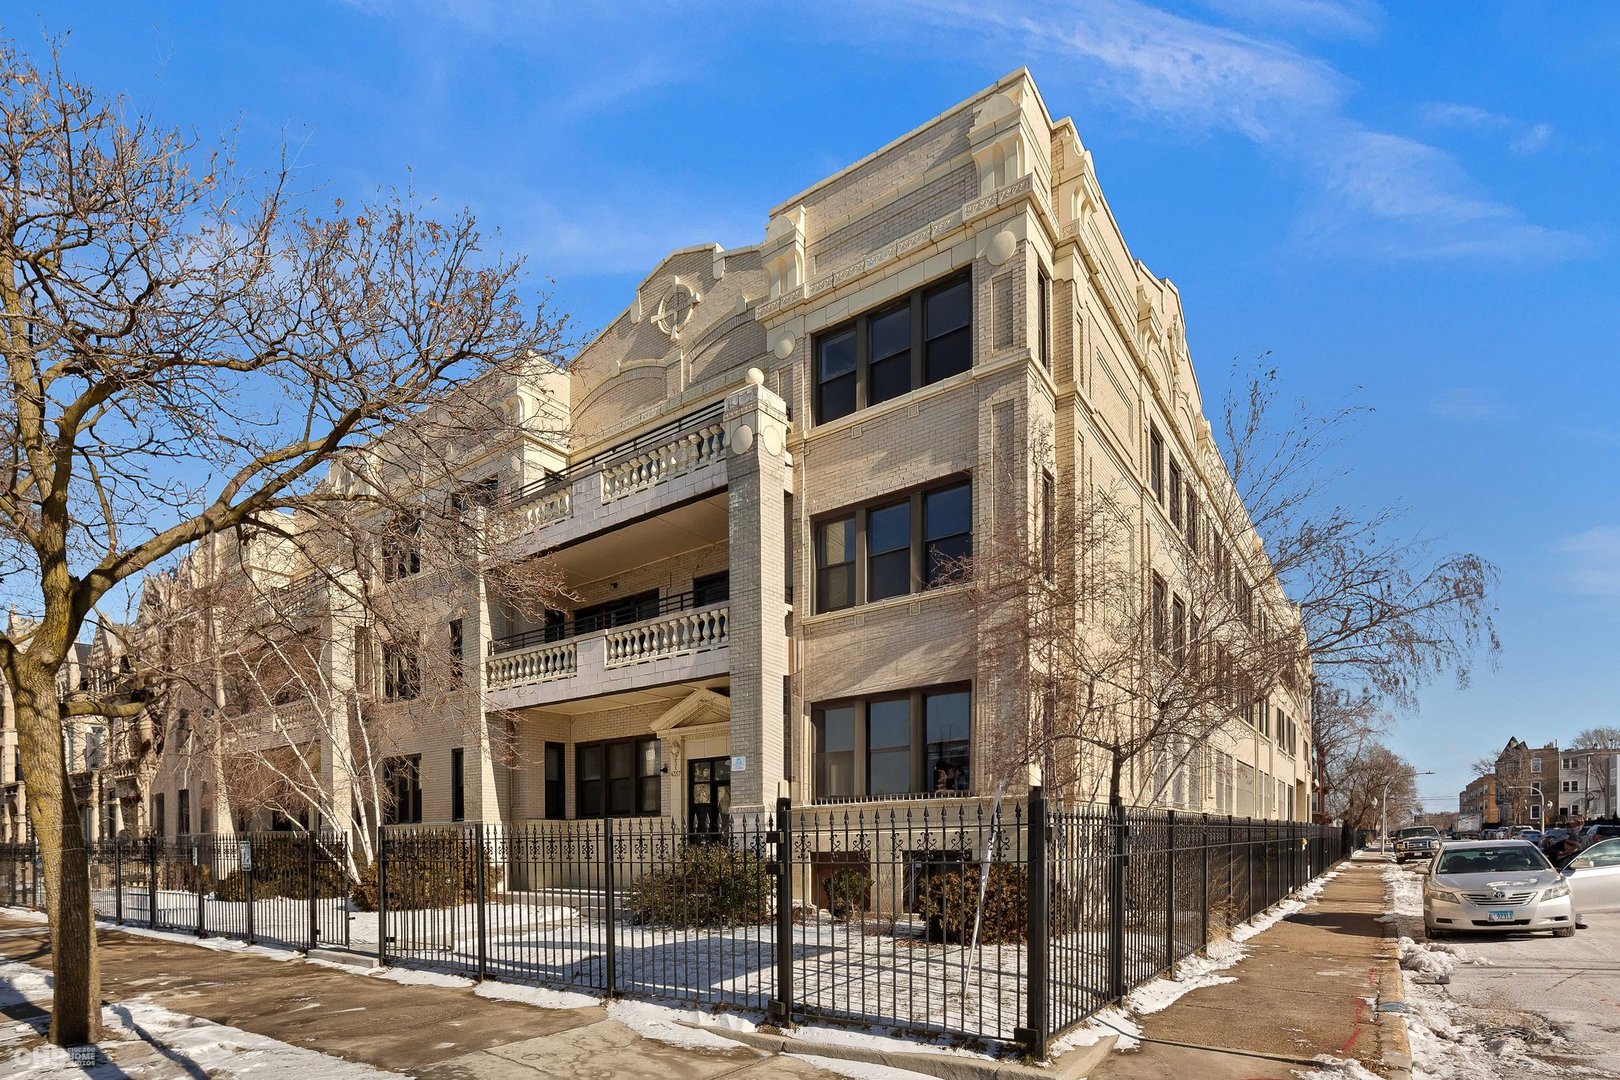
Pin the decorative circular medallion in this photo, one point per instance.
(675, 309)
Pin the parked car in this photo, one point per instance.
(1594, 878)
(1531, 835)
(1593, 833)
(1494, 885)
(1418, 842)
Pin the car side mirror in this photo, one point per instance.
(1580, 864)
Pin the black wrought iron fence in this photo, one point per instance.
(1002, 923)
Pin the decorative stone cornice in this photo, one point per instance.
(1022, 189)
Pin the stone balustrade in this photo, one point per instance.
(540, 663)
(672, 635)
(680, 455)
(557, 505)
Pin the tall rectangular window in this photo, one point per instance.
(456, 643)
(402, 675)
(835, 752)
(888, 746)
(402, 547)
(1178, 630)
(947, 530)
(1176, 484)
(835, 564)
(458, 781)
(888, 370)
(1161, 615)
(947, 330)
(1193, 524)
(888, 551)
(555, 795)
(835, 375)
(1048, 512)
(946, 741)
(1043, 320)
(182, 825)
(711, 589)
(157, 814)
(402, 787)
(1156, 462)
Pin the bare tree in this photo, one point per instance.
(1128, 672)
(1384, 611)
(1368, 774)
(1342, 723)
(187, 350)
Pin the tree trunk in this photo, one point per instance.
(76, 1006)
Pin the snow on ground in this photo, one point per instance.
(1338, 1069)
(145, 1038)
(856, 1070)
(538, 996)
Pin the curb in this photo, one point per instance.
(1073, 1065)
(1394, 1041)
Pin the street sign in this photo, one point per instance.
(244, 854)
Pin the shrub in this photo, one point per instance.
(949, 899)
(847, 891)
(445, 877)
(708, 885)
(281, 868)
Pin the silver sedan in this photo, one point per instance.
(1495, 885)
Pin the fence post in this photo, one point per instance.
(612, 958)
(118, 880)
(1203, 860)
(1248, 873)
(781, 1008)
(197, 876)
(309, 869)
(382, 897)
(1170, 892)
(248, 873)
(151, 882)
(1116, 902)
(483, 928)
(1037, 929)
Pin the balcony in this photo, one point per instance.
(635, 477)
(680, 643)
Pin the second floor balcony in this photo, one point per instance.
(670, 463)
(674, 639)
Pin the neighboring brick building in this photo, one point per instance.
(1479, 798)
(1527, 780)
(770, 447)
(1587, 782)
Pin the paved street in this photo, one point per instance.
(1560, 996)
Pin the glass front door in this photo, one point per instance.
(708, 795)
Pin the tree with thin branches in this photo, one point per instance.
(192, 351)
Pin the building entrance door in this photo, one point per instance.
(708, 795)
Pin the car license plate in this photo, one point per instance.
(1499, 916)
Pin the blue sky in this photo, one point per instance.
(1412, 208)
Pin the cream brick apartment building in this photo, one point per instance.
(769, 453)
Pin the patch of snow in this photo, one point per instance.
(1339, 1069)
(538, 996)
(873, 1039)
(1103, 1023)
(668, 1025)
(414, 976)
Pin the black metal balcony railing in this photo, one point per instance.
(645, 441)
(606, 620)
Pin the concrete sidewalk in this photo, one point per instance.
(1306, 987)
(433, 1032)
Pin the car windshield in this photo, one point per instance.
(1424, 830)
(1500, 860)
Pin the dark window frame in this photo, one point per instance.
(182, 812)
(1047, 510)
(1156, 462)
(555, 794)
(1043, 327)
(918, 745)
(711, 588)
(402, 547)
(402, 671)
(458, 784)
(602, 804)
(402, 778)
(457, 651)
(922, 342)
(923, 574)
(1160, 614)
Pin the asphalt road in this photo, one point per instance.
(1572, 983)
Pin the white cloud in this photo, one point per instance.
(1522, 139)
(1358, 20)
(1592, 561)
(1367, 191)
